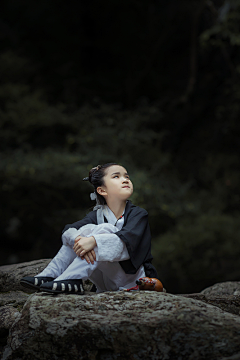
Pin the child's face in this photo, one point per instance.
(117, 183)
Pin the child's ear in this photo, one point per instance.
(101, 191)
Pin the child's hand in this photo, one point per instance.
(84, 245)
(89, 257)
(77, 238)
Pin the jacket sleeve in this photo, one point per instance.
(137, 237)
(110, 248)
(90, 218)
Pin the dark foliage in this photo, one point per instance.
(151, 85)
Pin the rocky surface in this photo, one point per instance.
(11, 303)
(8, 315)
(224, 288)
(13, 298)
(10, 275)
(116, 325)
(229, 303)
(120, 325)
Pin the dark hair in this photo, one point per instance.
(95, 177)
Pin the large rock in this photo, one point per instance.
(11, 303)
(8, 316)
(117, 325)
(13, 298)
(223, 288)
(120, 325)
(10, 275)
(229, 303)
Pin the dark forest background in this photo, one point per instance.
(152, 85)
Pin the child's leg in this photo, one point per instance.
(70, 281)
(59, 263)
(78, 269)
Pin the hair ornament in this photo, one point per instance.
(86, 179)
(93, 196)
(96, 168)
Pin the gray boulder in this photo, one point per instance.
(122, 325)
(11, 303)
(8, 316)
(229, 303)
(13, 298)
(223, 288)
(10, 275)
(116, 325)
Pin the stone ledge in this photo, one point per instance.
(223, 288)
(120, 325)
(229, 303)
(116, 325)
(10, 275)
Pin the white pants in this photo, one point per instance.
(67, 265)
(105, 275)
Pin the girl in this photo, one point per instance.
(111, 246)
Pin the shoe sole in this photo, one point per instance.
(29, 285)
(60, 292)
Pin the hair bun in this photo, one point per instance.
(93, 170)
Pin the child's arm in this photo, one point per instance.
(109, 248)
(90, 218)
(84, 245)
(137, 236)
(90, 256)
(71, 231)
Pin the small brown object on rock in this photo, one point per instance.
(152, 284)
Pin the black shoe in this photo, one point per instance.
(32, 282)
(71, 286)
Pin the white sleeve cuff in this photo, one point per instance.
(110, 248)
(69, 236)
